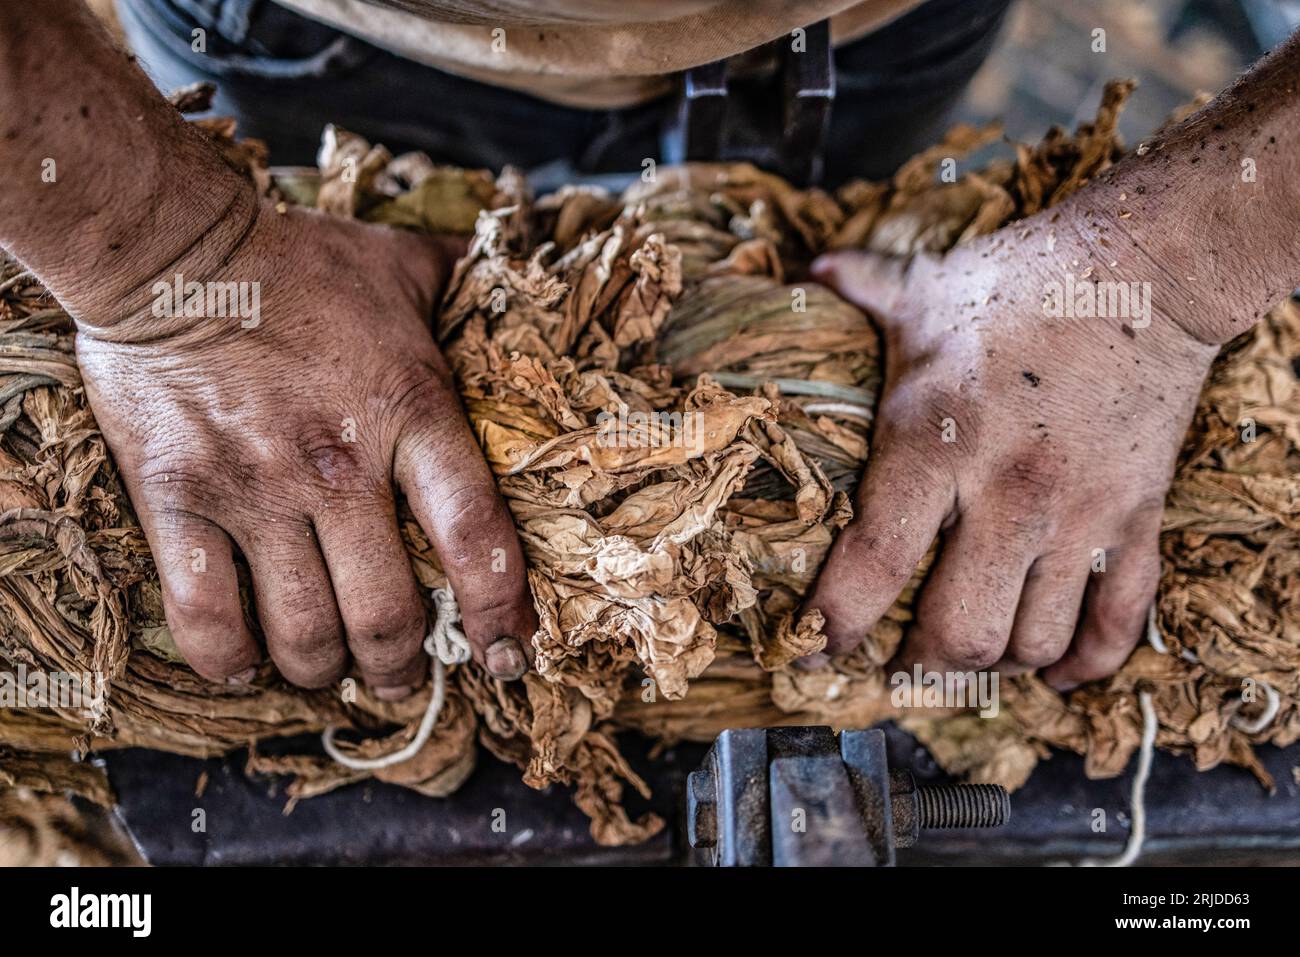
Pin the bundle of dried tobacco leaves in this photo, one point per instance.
(676, 443)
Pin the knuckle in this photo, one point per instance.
(336, 458)
(1119, 614)
(387, 630)
(974, 652)
(312, 678)
(1099, 662)
(465, 519)
(466, 504)
(924, 418)
(193, 607)
(308, 639)
(1031, 478)
(208, 634)
(1118, 622)
(419, 394)
(1027, 498)
(492, 602)
(421, 384)
(1146, 516)
(302, 625)
(178, 486)
(871, 552)
(312, 659)
(1040, 651)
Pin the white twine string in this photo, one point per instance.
(1137, 834)
(1271, 709)
(445, 645)
(1273, 699)
(450, 646)
(837, 408)
(1150, 724)
(1154, 638)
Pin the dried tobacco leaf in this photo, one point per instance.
(676, 446)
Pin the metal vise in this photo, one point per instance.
(792, 797)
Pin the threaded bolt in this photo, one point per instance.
(963, 805)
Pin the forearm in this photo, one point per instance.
(107, 188)
(1208, 210)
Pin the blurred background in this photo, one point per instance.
(1044, 69)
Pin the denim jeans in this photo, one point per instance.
(283, 76)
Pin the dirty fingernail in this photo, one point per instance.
(393, 692)
(243, 677)
(1064, 687)
(822, 265)
(505, 659)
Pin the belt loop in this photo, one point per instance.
(808, 81)
(702, 115)
(234, 17)
(789, 137)
(229, 18)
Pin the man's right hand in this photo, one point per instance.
(281, 436)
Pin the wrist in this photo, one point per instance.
(1207, 208)
(188, 237)
(1085, 281)
(1146, 237)
(106, 192)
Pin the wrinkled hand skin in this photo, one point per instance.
(285, 441)
(1064, 438)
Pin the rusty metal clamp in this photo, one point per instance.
(803, 797)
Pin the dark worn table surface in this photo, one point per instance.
(1218, 817)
